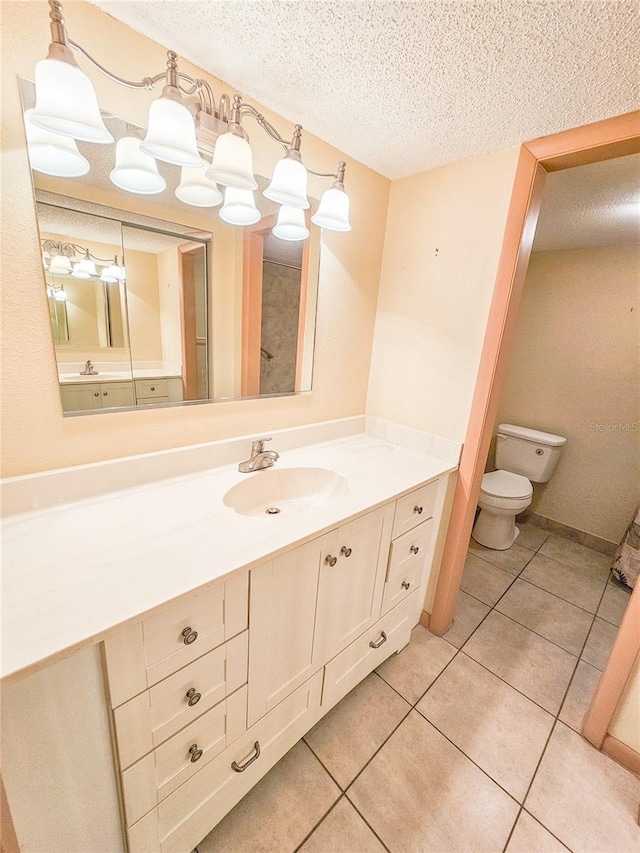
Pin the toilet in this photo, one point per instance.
(522, 456)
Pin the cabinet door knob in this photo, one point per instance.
(418, 509)
(196, 754)
(346, 551)
(105, 393)
(378, 643)
(405, 584)
(153, 387)
(193, 696)
(330, 561)
(414, 549)
(96, 393)
(240, 768)
(189, 635)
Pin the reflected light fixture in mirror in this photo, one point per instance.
(135, 171)
(66, 104)
(196, 188)
(239, 207)
(291, 224)
(53, 154)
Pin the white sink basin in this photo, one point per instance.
(284, 491)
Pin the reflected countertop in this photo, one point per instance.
(74, 572)
(114, 376)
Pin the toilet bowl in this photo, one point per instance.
(503, 495)
(523, 456)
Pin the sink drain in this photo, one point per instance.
(272, 510)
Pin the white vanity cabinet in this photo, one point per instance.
(206, 693)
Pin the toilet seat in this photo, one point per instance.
(506, 485)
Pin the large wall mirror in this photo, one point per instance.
(156, 302)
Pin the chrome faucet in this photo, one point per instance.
(89, 369)
(260, 458)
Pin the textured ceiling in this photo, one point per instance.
(407, 86)
(594, 205)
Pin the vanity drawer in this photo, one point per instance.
(152, 388)
(183, 819)
(414, 508)
(151, 401)
(159, 773)
(388, 635)
(406, 561)
(147, 720)
(148, 651)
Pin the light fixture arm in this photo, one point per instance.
(69, 250)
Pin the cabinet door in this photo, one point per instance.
(80, 398)
(116, 394)
(352, 573)
(282, 608)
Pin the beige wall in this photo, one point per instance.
(625, 725)
(169, 295)
(35, 436)
(575, 371)
(443, 240)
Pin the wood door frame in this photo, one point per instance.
(603, 140)
(252, 261)
(188, 319)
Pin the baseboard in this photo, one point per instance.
(622, 753)
(425, 618)
(590, 540)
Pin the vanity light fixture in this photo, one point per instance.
(78, 272)
(184, 118)
(135, 171)
(53, 154)
(196, 188)
(60, 265)
(60, 296)
(87, 265)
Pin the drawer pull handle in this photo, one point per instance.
(405, 584)
(418, 509)
(378, 643)
(346, 551)
(240, 768)
(193, 697)
(330, 561)
(196, 754)
(189, 635)
(414, 549)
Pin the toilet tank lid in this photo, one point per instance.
(535, 435)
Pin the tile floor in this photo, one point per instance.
(467, 742)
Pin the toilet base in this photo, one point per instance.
(495, 530)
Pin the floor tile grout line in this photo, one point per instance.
(553, 728)
(321, 762)
(325, 815)
(355, 807)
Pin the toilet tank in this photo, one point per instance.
(529, 452)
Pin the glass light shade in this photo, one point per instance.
(50, 292)
(239, 207)
(289, 184)
(60, 296)
(171, 134)
(87, 265)
(53, 154)
(46, 257)
(78, 272)
(60, 265)
(135, 171)
(196, 189)
(232, 164)
(333, 212)
(108, 275)
(291, 224)
(66, 102)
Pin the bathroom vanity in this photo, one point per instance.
(219, 635)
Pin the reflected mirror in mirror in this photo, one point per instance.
(156, 302)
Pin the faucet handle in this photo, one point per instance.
(257, 446)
